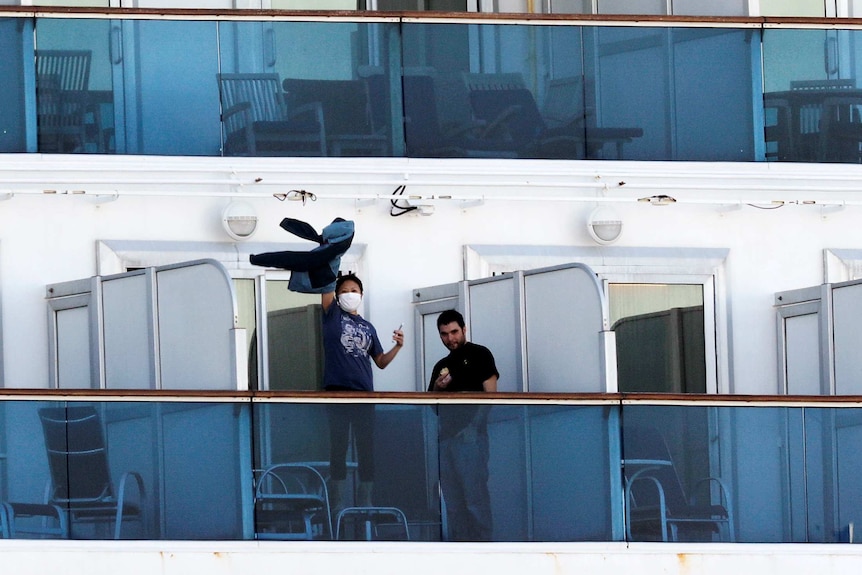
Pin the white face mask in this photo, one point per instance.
(349, 301)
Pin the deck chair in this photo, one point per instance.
(657, 507)
(80, 477)
(71, 67)
(258, 122)
(513, 120)
(778, 129)
(808, 122)
(347, 111)
(32, 520)
(291, 501)
(62, 105)
(423, 133)
(841, 129)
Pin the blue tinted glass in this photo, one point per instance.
(678, 87)
(527, 474)
(847, 463)
(184, 471)
(279, 101)
(457, 103)
(373, 467)
(744, 474)
(74, 86)
(206, 480)
(813, 104)
(176, 470)
(13, 94)
(170, 99)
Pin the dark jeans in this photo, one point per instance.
(464, 479)
(360, 418)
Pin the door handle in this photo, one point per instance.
(116, 45)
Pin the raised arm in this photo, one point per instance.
(326, 300)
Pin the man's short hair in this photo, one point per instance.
(448, 317)
(348, 277)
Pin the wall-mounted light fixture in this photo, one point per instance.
(239, 220)
(604, 225)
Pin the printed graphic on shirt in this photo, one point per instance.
(355, 338)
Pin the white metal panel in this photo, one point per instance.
(494, 324)
(196, 316)
(127, 317)
(847, 322)
(73, 348)
(563, 321)
(802, 354)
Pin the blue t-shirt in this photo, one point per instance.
(349, 343)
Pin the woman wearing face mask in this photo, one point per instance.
(350, 344)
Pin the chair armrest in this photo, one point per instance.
(722, 488)
(315, 109)
(121, 493)
(241, 108)
(121, 497)
(238, 117)
(636, 478)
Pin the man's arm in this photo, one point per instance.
(490, 384)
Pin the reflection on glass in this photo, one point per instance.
(813, 104)
(547, 474)
(751, 474)
(537, 107)
(167, 71)
(74, 86)
(673, 84)
(660, 337)
(673, 488)
(745, 474)
(403, 476)
(91, 455)
(278, 100)
(12, 93)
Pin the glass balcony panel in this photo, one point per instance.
(177, 467)
(778, 474)
(16, 94)
(782, 474)
(547, 473)
(812, 100)
(278, 100)
(847, 466)
(170, 103)
(74, 86)
(494, 91)
(675, 85)
(382, 474)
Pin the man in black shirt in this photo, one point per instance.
(463, 430)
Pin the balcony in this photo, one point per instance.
(651, 89)
(562, 468)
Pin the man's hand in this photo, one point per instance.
(443, 379)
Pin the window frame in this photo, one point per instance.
(693, 266)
